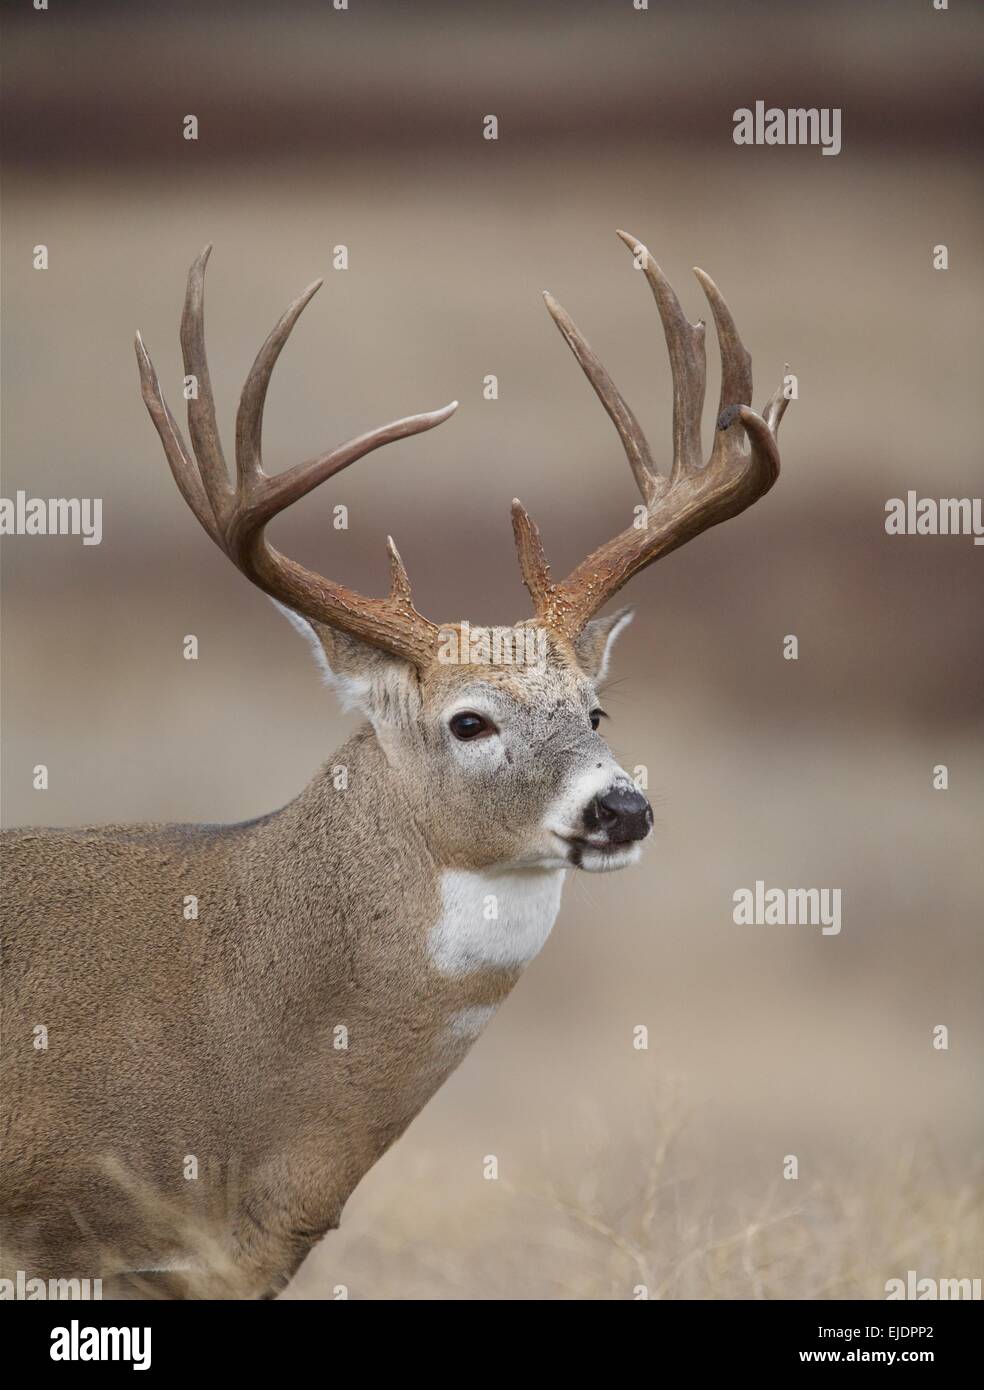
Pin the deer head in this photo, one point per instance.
(497, 730)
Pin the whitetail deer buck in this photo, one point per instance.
(363, 908)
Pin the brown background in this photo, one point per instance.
(365, 128)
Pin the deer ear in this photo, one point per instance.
(347, 665)
(594, 645)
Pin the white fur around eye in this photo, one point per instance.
(491, 742)
(466, 706)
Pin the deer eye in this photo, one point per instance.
(468, 725)
(596, 716)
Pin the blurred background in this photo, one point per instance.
(363, 128)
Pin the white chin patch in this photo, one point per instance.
(493, 920)
(604, 861)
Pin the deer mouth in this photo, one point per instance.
(599, 856)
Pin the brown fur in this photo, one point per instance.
(215, 1037)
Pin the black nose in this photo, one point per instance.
(622, 813)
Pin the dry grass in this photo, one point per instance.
(630, 1216)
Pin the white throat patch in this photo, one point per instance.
(493, 919)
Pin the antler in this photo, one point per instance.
(693, 497)
(236, 517)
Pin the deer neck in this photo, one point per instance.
(387, 964)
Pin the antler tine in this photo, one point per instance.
(399, 579)
(736, 369)
(688, 362)
(183, 466)
(775, 407)
(275, 493)
(262, 496)
(694, 497)
(634, 442)
(249, 416)
(736, 360)
(236, 520)
(201, 403)
(532, 561)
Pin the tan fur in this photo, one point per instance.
(215, 1038)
